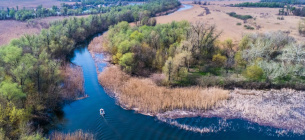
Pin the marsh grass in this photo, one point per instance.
(72, 81)
(96, 45)
(78, 135)
(145, 96)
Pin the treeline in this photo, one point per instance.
(242, 17)
(188, 54)
(260, 4)
(299, 12)
(285, 1)
(287, 7)
(82, 8)
(31, 81)
(40, 12)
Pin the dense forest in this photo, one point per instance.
(189, 54)
(31, 77)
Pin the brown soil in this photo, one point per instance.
(266, 18)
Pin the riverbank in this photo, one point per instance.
(144, 96)
(280, 109)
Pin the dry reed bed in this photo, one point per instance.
(283, 109)
(78, 135)
(73, 81)
(146, 97)
(96, 45)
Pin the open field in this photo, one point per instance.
(30, 3)
(265, 19)
(14, 29)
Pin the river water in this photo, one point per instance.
(127, 124)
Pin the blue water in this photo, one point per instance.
(126, 124)
(185, 7)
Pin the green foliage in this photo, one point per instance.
(260, 4)
(11, 91)
(127, 62)
(242, 17)
(93, 7)
(147, 44)
(254, 72)
(219, 60)
(239, 61)
(249, 27)
(10, 54)
(302, 27)
(238, 23)
(168, 69)
(244, 43)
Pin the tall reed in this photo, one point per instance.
(78, 135)
(147, 97)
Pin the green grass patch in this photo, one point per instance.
(242, 17)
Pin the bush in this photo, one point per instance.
(249, 27)
(280, 18)
(302, 27)
(219, 60)
(254, 72)
(242, 17)
(238, 23)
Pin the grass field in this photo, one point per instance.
(264, 19)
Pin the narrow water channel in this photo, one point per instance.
(126, 124)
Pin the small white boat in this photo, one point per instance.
(102, 112)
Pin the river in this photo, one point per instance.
(127, 124)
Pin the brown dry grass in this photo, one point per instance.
(147, 97)
(10, 29)
(78, 135)
(73, 81)
(96, 45)
(266, 18)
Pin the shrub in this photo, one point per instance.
(280, 18)
(242, 17)
(219, 60)
(254, 72)
(126, 61)
(302, 27)
(249, 27)
(238, 23)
